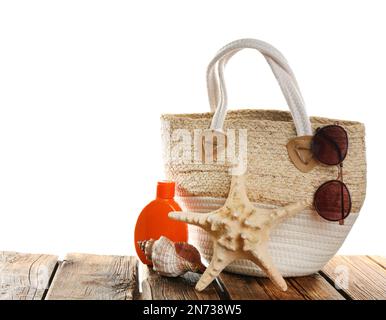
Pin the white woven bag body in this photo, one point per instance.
(304, 243)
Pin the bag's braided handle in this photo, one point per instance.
(282, 71)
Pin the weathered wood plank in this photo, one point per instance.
(25, 276)
(238, 287)
(358, 277)
(276, 294)
(95, 277)
(315, 287)
(380, 260)
(156, 287)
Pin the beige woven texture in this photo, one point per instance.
(272, 179)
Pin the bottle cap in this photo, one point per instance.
(165, 189)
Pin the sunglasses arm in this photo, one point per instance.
(340, 177)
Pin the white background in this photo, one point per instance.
(83, 83)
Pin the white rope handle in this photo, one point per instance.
(282, 71)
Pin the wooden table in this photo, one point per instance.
(86, 276)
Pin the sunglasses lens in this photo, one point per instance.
(332, 200)
(330, 144)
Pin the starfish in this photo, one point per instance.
(239, 230)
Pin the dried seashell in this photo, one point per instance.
(172, 259)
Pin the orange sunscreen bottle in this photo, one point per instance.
(153, 222)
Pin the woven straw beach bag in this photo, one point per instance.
(302, 244)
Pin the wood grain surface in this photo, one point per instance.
(155, 287)
(95, 277)
(25, 276)
(357, 277)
